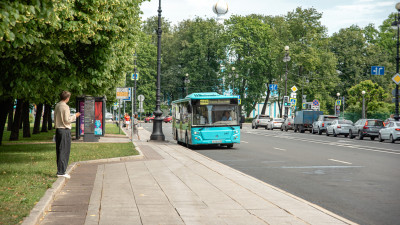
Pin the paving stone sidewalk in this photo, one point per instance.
(176, 185)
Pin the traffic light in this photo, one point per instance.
(286, 101)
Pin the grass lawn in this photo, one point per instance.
(27, 170)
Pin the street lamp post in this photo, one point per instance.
(157, 134)
(336, 108)
(233, 77)
(187, 82)
(397, 24)
(363, 106)
(286, 59)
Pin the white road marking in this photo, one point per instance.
(340, 161)
(352, 146)
(280, 149)
(244, 142)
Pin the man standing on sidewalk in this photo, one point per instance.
(62, 122)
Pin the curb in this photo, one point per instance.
(39, 210)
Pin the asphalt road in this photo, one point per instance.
(359, 180)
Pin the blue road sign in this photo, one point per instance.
(377, 70)
(338, 102)
(293, 101)
(273, 87)
(315, 102)
(129, 96)
(239, 100)
(135, 76)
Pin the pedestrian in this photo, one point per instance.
(62, 122)
(127, 120)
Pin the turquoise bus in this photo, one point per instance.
(206, 119)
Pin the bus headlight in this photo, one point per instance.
(236, 131)
(196, 132)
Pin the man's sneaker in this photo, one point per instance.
(64, 175)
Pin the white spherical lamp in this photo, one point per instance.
(220, 8)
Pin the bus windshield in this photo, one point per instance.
(215, 115)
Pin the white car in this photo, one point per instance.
(390, 132)
(275, 123)
(339, 127)
(260, 121)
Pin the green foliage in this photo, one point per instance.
(375, 97)
(248, 50)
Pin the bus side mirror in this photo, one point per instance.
(242, 119)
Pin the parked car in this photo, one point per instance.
(322, 123)
(287, 125)
(339, 127)
(366, 128)
(275, 123)
(260, 121)
(168, 119)
(390, 132)
(149, 119)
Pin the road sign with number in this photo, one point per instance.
(124, 93)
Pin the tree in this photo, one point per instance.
(375, 97)
(248, 48)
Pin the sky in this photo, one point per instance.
(336, 14)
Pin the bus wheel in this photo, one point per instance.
(229, 145)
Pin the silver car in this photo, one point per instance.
(390, 132)
(275, 123)
(339, 127)
(260, 121)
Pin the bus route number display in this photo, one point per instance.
(214, 101)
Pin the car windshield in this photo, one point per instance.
(331, 118)
(215, 115)
(345, 122)
(375, 123)
(264, 117)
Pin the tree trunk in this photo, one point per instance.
(45, 118)
(25, 119)
(265, 102)
(5, 105)
(10, 117)
(38, 116)
(50, 121)
(17, 121)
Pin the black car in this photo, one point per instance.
(366, 128)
